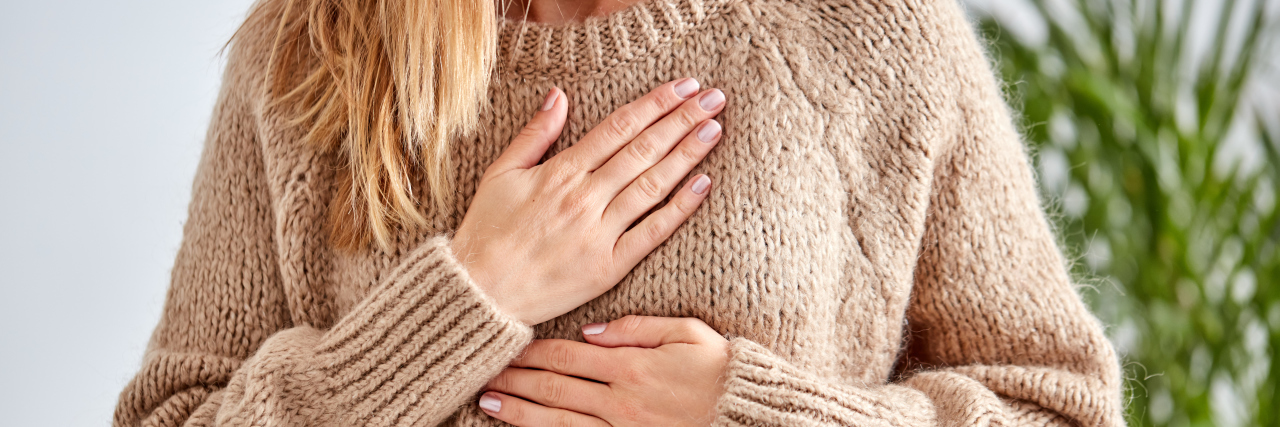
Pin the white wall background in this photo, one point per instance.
(103, 110)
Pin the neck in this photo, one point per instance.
(560, 11)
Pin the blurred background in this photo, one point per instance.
(103, 111)
(1153, 125)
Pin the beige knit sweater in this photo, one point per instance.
(873, 245)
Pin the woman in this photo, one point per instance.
(377, 237)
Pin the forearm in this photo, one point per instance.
(412, 351)
(762, 389)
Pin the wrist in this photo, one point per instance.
(483, 281)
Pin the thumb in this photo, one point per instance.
(648, 332)
(531, 144)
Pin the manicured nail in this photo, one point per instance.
(594, 329)
(700, 185)
(551, 99)
(687, 88)
(711, 100)
(490, 403)
(708, 131)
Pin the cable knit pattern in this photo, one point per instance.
(873, 243)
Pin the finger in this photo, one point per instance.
(648, 332)
(532, 142)
(653, 185)
(551, 389)
(604, 140)
(653, 144)
(566, 357)
(642, 239)
(528, 414)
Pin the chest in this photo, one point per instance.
(786, 245)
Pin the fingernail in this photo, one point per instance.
(711, 100)
(708, 131)
(490, 403)
(686, 88)
(594, 329)
(700, 185)
(551, 99)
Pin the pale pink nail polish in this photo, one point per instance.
(490, 403)
(711, 100)
(709, 131)
(700, 185)
(687, 88)
(594, 329)
(551, 99)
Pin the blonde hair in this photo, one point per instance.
(388, 84)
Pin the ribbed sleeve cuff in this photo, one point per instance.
(421, 344)
(761, 389)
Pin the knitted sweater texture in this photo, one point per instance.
(873, 245)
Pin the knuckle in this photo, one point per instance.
(685, 205)
(562, 419)
(648, 187)
(620, 125)
(687, 155)
(631, 324)
(640, 372)
(687, 117)
(629, 410)
(644, 148)
(632, 374)
(575, 202)
(502, 381)
(533, 130)
(553, 392)
(656, 231)
(557, 173)
(560, 358)
(664, 99)
(515, 413)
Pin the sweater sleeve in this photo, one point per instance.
(996, 334)
(225, 352)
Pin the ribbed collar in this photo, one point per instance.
(534, 50)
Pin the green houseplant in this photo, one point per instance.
(1161, 172)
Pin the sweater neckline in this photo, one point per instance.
(539, 51)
